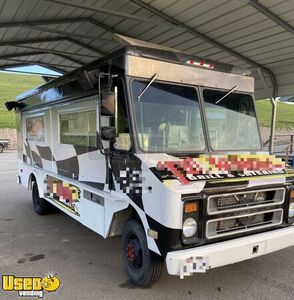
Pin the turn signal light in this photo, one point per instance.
(190, 207)
(292, 194)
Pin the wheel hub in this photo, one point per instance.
(130, 250)
(134, 253)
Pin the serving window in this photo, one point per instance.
(35, 129)
(78, 128)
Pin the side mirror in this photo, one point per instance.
(108, 104)
(108, 133)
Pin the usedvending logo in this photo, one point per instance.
(30, 286)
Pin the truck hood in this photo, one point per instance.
(186, 173)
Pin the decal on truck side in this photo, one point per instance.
(63, 193)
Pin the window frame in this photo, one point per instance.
(134, 121)
(73, 111)
(32, 116)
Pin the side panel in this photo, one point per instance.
(71, 172)
(61, 151)
(73, 158)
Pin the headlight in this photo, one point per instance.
(291, 210)
(291, 207)
(189, 227)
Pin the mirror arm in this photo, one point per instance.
(99, 106)
(102, 151)
(116, 109)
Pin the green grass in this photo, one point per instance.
(11, 85)
(285, 114)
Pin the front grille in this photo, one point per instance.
(243, 200)
(244, 223)
(241, 212)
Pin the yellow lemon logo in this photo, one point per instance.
(50, 283)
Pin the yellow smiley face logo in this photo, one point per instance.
(50, 283)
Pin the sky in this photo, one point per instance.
(34, 69)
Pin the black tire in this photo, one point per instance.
(1, 148)
(41, 206)
(142, 266)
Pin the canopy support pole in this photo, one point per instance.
(272, 97)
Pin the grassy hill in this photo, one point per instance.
(285, 114)
(11, 85)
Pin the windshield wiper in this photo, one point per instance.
(227, 94)
(147, 86)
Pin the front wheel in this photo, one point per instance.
(41, 206)
(1, 148)
(143, 266)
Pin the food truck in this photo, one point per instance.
(162, 148)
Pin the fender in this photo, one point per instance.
(117, 214)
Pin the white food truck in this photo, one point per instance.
(162, 148)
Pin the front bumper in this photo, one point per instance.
(200, 259)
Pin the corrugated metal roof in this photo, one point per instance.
(64, 34)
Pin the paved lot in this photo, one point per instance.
(91, 268)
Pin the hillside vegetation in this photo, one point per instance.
(11, 85)
(285, 114)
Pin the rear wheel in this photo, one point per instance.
(143, 266)
(41, 206)
(1, 148)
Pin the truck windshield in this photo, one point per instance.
(167, 118)
(232, 123)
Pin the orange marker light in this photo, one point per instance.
(292, 194)
(190, 207)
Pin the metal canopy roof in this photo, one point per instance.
(65, 34)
